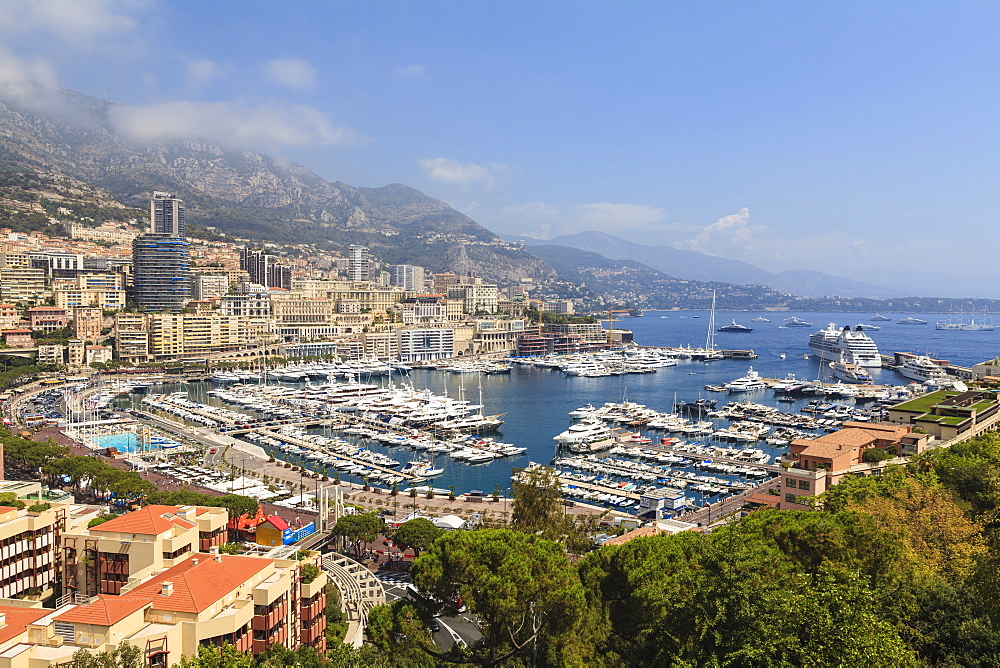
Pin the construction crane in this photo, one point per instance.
(540, 303)
(611, 321)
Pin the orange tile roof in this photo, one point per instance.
(641, 532)
(103, 611)
(197, 586)
(148, 521)
(18, 620)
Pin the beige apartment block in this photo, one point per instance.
(87, 323)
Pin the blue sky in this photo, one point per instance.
(858, 139)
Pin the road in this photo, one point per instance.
(461, 628)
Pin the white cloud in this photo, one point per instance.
(77, 22)
(729, 236)
(230, 123)
(410, 71)
(202, 71)
(447, 170)
(296, 73)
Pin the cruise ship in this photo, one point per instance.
(845, 344)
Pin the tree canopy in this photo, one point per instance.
(417, 534)
(358, 529)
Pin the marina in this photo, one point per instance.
(342, 428)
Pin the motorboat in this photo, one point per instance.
(878, 317)
(910, 320)
(862, 327)
(795, 321)
(851, 346)
(760, 318)
(734, 327)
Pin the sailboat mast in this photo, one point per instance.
(710, 336)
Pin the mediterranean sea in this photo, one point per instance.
(536, 401)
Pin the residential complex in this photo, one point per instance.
(152, 578)
(158, 296)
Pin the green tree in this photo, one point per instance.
(521, 587)
(417, 534)
(537, 506)
(214, 657)
(123, 656)
(358, 529)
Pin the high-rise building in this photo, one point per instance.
(358, 263)
(161, 269)
(408, 277)
(166, 215)
(265, 269)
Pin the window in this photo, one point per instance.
(804, 484)
(790, 482)
(790, 498)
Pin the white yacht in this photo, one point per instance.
(851, 346)
(587, 436)
(970, 326)
(850, 373)
(921, 368)
(751, 381)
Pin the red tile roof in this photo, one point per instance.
(197, 586)
(18, 619)
(103, 611)
(148, 521)
(276, 522)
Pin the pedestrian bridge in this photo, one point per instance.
(360, 591)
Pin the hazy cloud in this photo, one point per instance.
(230, 123)
(78, 22)
(605, 215)
(296, 73)
(447, 170)
(202, 71)
(25, 81)
(410, 71)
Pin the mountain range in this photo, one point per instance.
(691, 265)
(248, 195)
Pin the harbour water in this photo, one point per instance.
(536, 402)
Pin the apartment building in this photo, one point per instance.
(46, 318)
(476, 298)
(22, 284)
(87, 323)
(110, 299)
(154, 578)
(209, 286)
(413, 345)
(194, 335)
(106, 232)
(378, 302)
(131, 337)
(820, 463)
(10, 316)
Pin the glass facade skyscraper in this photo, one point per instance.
(161, 268)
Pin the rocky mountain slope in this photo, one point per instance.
(253, 196)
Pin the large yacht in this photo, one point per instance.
(851, 346)
(587, 436)
(851, 373)
(751, 381)
(910, 320)
(795, 321)
(921, 368)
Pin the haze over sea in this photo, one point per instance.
(537, 401)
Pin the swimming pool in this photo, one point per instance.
(123, 442)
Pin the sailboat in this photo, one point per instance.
(709, 352)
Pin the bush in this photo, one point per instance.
(39, 507)
(874, 455)
(309, 573)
